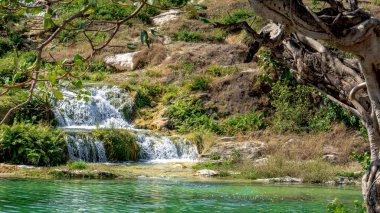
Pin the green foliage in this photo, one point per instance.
(5, 46)
(80, 165)
(295, 109)
(187, 36)
(238, 16)
(190, 114)
(32, 144)
(146, 92)
(337, 207)
(243, 123)
(219, 71)
(362, 158)
(199, 83)
(120, 145)
(214, 156)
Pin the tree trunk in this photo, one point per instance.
(355, 86)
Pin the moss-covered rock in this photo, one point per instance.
(120, 145)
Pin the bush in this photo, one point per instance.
(190, 114)
(219, 71)
(81, 165)
(146, 92)
(238, 16)
(199, 83)
(243, 123)
(5, 46)
(120, 145)
(32, 144)
(295, 109)
(187, 36)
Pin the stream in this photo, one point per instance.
(161, 195)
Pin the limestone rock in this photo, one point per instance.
(207, 173)
(332, 158)
(166, 17)
(121, 61)
(247, 150)
(286, 179)
(331, 154)
(178, 166)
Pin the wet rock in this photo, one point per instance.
(345, 181)
(207, 173)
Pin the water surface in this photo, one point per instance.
(158, 195)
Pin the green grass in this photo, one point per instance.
(120, 145)
(80, 165)
(314, 171)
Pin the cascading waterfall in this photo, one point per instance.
(108, 107)
(86, 148)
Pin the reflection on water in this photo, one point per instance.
(154, 195)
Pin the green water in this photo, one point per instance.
(155, 195)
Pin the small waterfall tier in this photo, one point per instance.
(108, 107)
(159, 147)
(83, 147)
(104, 108)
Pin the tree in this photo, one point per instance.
(296, 34)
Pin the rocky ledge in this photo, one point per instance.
(92, 174)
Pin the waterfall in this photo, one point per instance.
(105, 108)
(82, 147)
(110, 107)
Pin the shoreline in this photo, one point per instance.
(136, 171)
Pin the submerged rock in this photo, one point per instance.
(207, 173)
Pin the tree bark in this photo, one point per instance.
(353, 85)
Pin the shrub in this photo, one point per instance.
(81, 165)
(199, 83)
(187, 36)
(5, 46)
(32, 144)
(215, 156)
(243, 123)
(219, 71)
(238, 16)
(146, 92)
(120, 145)
(190, 114)
(295, 109)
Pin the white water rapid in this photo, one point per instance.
(108, 107)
